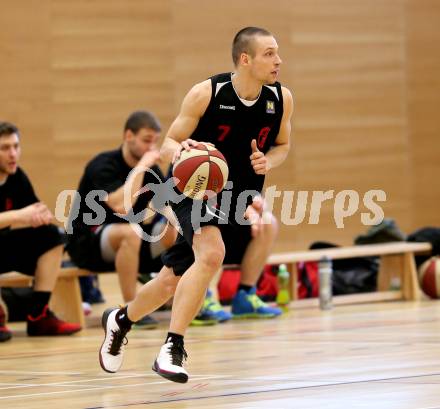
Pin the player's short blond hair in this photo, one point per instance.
(242, 42)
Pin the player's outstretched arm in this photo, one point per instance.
(193, 107)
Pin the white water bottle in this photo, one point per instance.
(325, 283)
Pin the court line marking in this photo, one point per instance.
(258, 391)
(103, 387)
(13, 372)
(94, 388)
(140, 375)
(76, 390)
(74, 381)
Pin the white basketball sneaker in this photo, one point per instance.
(111, 353)
(169, 362)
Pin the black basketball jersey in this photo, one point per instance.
(231, 125)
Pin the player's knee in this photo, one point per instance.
(58, 250)
(169, 285)
(212, 258)
(55, 253)
(169, 237)
(168, 282)
(132, 236)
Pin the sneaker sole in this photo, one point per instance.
(104, 320)
(226, 319)
(222, 318)
(200, 323)
(34, 333)
(171, 376)
(250, 316)
(148, 326)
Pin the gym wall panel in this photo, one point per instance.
(203, 34)
(423, 101)
(348, 75)
(25, 81)
(109, 59)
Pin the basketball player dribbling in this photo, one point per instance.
(246, 115)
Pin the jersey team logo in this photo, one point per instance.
(270, 107)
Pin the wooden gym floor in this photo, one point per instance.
(363, 356)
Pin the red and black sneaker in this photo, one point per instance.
(5, 333)
(48, 324)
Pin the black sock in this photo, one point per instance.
(39, 299)
(122, 319)
(175, 338)
(245, 287)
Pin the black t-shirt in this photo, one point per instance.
(107, 172)
(231, 125)
(17, 192)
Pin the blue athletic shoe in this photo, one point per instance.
(204, 318)
(249, 305)
(214, 307)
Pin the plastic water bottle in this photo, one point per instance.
(325, 283)
(283, 296)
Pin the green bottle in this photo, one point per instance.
(283, 296)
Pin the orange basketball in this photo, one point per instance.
(201, 172)
(429, 277)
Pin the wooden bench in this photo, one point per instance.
(66, 299)
(396, 260)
